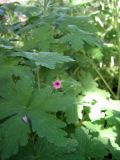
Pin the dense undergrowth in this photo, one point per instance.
(78, 116)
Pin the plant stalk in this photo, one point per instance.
(45, 8)
(105, 82)
(102, 78)
(116, 19)
(38, 76)
(38, 68)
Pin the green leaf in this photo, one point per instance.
(87, 86)
(15, 134)
(38, 38)
(88, 146)
(111, 135)
(6, 47)
(46, 59)
(43, 115)
(77, 38)
(16, 83)
(98, 147)
(44, 150)
(83, 141)
(96, 53)
(5, 44)
(81, 22)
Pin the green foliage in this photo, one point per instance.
(81, 119)
(39, 38)
(16, 93)
(46, 59)
(16, 90)
(46, 113)
(90, 146)
(77, 37)
(15, 133)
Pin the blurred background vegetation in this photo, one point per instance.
(36, 35)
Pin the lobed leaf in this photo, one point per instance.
(46, 59)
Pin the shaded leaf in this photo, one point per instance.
(43, 115)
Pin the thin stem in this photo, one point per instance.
(105, 82)
(38, 68)
(38, 77)
(101, 76)
(116, 19)
(103, 79)
(45, 8)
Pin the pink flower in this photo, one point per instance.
(57, 84)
